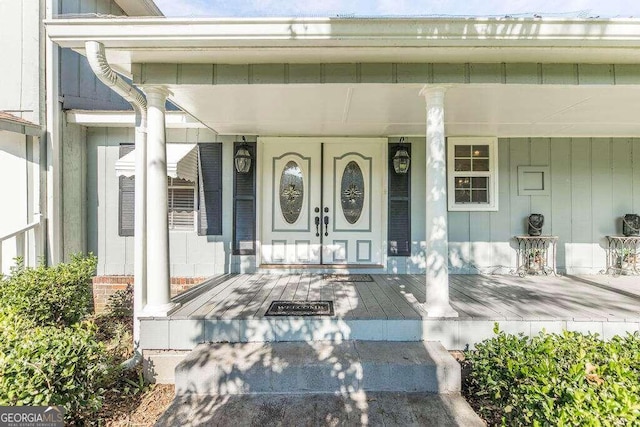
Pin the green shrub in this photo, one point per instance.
(49, 365)
(567, 379)
(58, 295)
(120, 303)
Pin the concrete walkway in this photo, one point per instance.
(356, 409)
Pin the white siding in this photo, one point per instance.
(20, 47)
(13, 179)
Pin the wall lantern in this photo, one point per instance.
(243, 158)
(401, 159)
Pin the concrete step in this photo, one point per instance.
(356, 409)
(317, 367)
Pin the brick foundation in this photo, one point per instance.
(105, 286)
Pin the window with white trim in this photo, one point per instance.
(472, 174)
(182, 204)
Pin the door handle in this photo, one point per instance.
(317, 226)
(326, 225)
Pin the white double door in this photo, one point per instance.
(322, 200)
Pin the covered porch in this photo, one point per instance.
(391, 307)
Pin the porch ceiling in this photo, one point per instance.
(394, 109)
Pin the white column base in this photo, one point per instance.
(159, 310)
(440, 310)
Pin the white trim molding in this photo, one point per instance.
(490, 188)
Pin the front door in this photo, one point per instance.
(322, 201)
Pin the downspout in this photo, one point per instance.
(104, 72)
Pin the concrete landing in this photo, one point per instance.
(356, 409)
(321, 367)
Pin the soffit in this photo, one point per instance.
(393, 109)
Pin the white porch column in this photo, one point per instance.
(437, 251)
(140, 223)
(158, 280)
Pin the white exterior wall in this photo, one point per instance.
(20, 47)
(15, 193)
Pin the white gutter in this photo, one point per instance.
(104, 72)
(164, 33)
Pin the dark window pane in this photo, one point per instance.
(480, 151)
(462, 151)
(480, 165)
(463, 196)
(463, 164)
(352, 192)
(480, 183)
(463, 182)
(291, 192)
(480, 196)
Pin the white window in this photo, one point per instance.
(182, 203)
(472, 166)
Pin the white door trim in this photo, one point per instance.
(381, 141)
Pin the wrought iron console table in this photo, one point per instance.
(536, 255)
(622, 255)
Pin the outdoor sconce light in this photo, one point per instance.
(243, 158)
(401, 159)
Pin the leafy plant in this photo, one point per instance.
(59, 295)
(120, 303)
(567, 379)
(49, 365)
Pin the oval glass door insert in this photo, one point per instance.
(352, 192)
(291, 192)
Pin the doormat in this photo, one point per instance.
(348, 277)
(300, 308)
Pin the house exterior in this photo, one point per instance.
(322, 105)
(180, 149)
(32, 98)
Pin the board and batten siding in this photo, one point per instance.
(79, 87)
(594, 182)
(191, 255)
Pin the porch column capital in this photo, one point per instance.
(437, 252)
(156, 95)
(158, 278)
(433, 94)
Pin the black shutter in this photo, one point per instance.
(126, 198)
(210, 189)
(244, 206)
(399, 227)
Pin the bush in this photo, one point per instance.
(568, 379)
(48, 365)
(58, 295)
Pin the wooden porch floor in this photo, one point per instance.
(391, 297)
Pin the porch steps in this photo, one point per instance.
(319, 367)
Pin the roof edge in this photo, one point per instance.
(139, 7)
